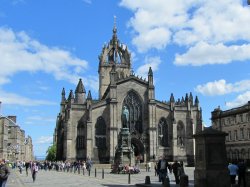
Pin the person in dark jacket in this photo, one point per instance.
(4, 173)
(163, 167)
(242, 173)
(176, 167)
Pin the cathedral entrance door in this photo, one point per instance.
(138, 149)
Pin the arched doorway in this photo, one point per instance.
(139, 149)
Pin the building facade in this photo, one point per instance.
(235, 122)
(89, 128)
(13, 143)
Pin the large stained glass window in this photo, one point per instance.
(134, 105)
(80, 136)
(163, 132)
(100, 133)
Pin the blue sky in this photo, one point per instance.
(196, 46)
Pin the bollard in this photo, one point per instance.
(89, 172)
(147, 180)
(102, 173)
(95, 172)
(129, 180)
(166, 182)
(183, 180)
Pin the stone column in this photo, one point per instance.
(211, 160)
(114, 115)
(89, 144)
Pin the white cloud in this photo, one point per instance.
(19, 53)
(15, 99)
(44, 140)
(193, 24)
(152, 62)
(155, 38)
(221, 87)
(242, 99)
(203, 53)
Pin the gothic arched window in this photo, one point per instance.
(134, 106)
(100, 133)
(80, 136)
(163, 132)
(180, 133)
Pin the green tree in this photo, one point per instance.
(51, 153)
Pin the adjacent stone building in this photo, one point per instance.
(13, 143)
(235, 122)
(88, 127)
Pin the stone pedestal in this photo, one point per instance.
(124, 153)
(210, 159)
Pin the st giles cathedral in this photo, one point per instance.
(89, 128)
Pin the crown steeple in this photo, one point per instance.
(113, 54)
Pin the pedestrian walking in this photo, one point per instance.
(4, 173)
(176, 168)
(242, 173)
(163, 167)
(34, 170)
(233, 170)
(27, 166)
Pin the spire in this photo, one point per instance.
(150, 77)
(186, 98)
(80, 88)
(172, 98)
(63, 92)
(63, 95)
(150, 72)
(114, 29)
(89, 97)
(191, 98)
(196, 102)
(71, 95)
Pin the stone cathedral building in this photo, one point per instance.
(89, 128)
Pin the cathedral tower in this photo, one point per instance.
(115, 54)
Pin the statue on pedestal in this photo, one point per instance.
(125, 115)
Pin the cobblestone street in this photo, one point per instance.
(64, 179)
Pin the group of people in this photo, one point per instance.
(162, 167)
(33, 167)
(237, 169)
